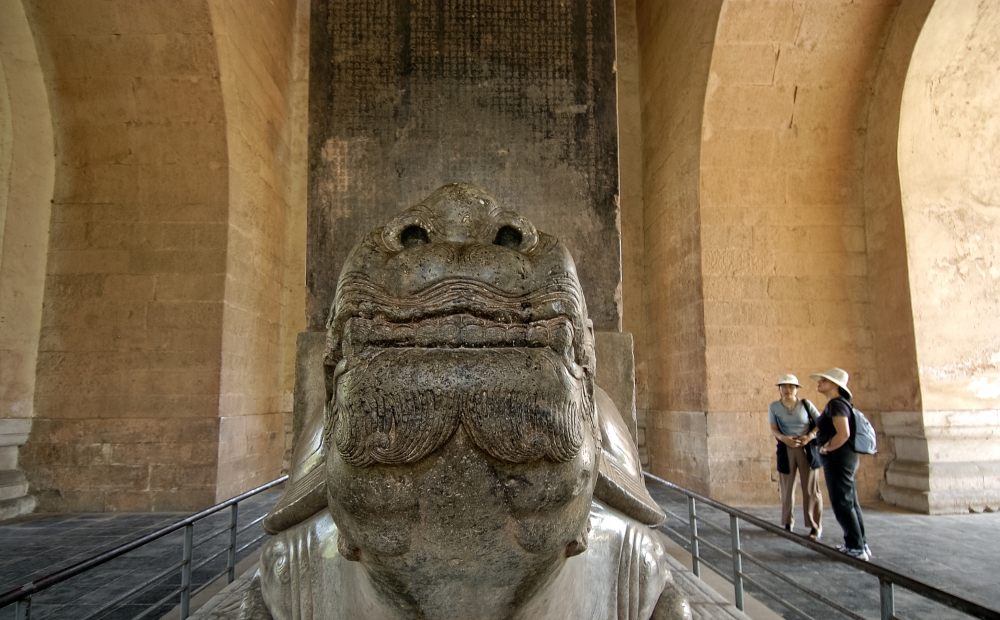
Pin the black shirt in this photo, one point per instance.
(825, 430)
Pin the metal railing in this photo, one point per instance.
(21, 596)
(887, 578)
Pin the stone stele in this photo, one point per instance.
(466, 466)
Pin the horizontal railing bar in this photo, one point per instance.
(249, 544)
(210, 581)
(155, 605)
(223, 572)
(666, 528)
(913, 585)
(212, 578)
(683, 520)
(727, 575)
(21, 592)
(225, 528)
(778, 598)
(209, 559)
(210, 536)
(136, 590)
(717, 528)
(720, 550)
(803, 589)
(251, 524)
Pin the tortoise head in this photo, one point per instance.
(459, 313)
(460, 432)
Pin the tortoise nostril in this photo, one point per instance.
(509, 237)
(412, 236)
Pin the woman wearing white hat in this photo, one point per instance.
(793, 424)
(840, 461)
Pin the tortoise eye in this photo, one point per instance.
(509, 237)
(412, 236)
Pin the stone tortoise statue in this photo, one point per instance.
(466, 465)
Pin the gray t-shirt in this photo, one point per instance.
(792, 423)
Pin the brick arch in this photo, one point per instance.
(778, 211)
(888, 271)
(949, 136)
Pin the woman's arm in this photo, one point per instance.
(785, 439)
(843, 429)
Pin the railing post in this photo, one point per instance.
(22, 609)
(186, 571)
(888, 599)
(693, 523)
(231, 562)
(734, 528)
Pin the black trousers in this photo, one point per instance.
(839, 468)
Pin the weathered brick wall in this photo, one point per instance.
(126, 400)
(257, 44)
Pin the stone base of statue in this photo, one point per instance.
(705, 603)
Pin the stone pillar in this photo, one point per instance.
(27, 172)
(948, 451)
(262, 65)
(675, 46)
(632, 222)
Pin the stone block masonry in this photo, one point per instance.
(517, 96)
(129, 359)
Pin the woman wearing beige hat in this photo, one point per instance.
(840, 461)
(793, 424)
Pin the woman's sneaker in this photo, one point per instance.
(857, 553)
(815, 534)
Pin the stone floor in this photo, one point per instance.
(37, 545)
(959, 554)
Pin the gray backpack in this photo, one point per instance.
(862, 433)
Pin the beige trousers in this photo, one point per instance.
(812, 497)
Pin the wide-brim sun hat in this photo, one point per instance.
(837, 376)
(788, 380)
